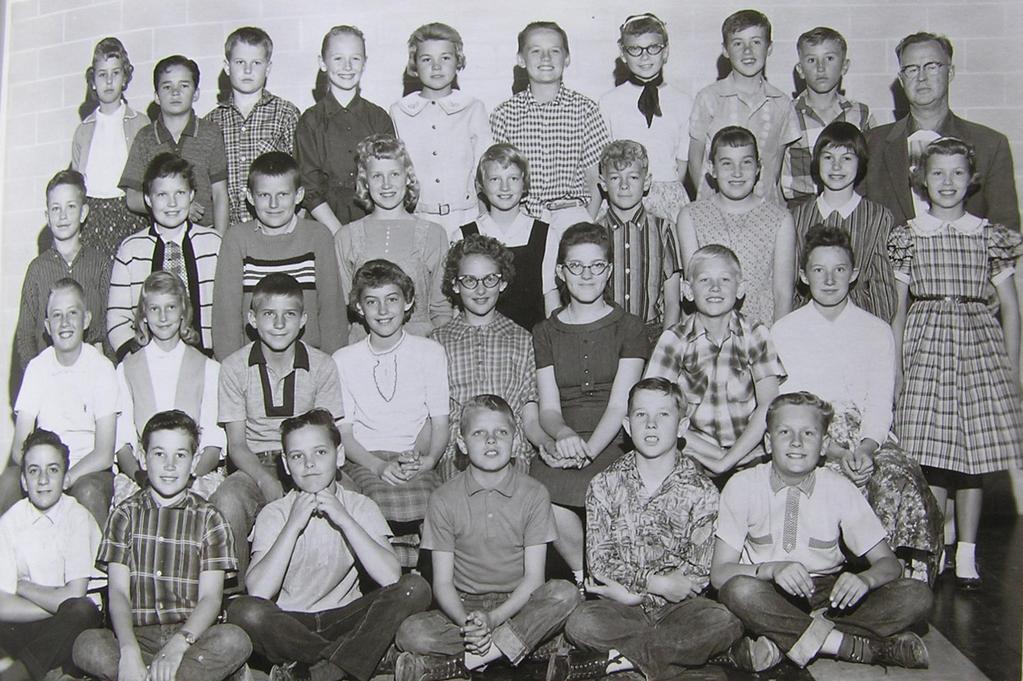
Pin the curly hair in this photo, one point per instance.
(476, 244)
(110, 48)
(383, 147)
(378, 273)
(158, 282)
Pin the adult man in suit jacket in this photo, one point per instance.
(925, 71)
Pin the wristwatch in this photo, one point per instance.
(189, 637)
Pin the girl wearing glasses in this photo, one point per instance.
(387, 186)
(502, 180)
(588, 355)
(487, 352)
(646, 109)
(760, 232)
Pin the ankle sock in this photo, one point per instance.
(578, 576)
(966, 562)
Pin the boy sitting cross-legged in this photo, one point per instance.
(725, 365)
(488, 528)
(650, 534)
(48, 545)
(305, 612)
(166, 551)
(778, 561)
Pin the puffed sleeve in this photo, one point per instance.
(1003, 248)
(900, 252)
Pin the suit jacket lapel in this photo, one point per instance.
(896, 157)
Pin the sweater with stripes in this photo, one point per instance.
(306, 252)
(140, 255)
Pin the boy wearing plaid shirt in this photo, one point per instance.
(253, 121)
(822, 63)
(726, 366)
(165, 551)
(560, 131)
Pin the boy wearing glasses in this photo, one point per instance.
(645, 108)
(726, 366)
(644, 248)
(487, 353)
(925, 72)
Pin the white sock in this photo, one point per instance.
(966, 564)
(474, 661)
(832, 643)
(617, 663)
(578, 575)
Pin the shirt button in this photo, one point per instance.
(159, 573)
(243, 128)
(433, 127)
(627, 296)
(627, 270)
(437, 180)
(626, 246)
(435, 153)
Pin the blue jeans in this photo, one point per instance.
(220, 650)
(661, 642)
(766, 610)
(543, 616)
(353, 637)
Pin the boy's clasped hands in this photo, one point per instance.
(569, 451)
(322, 503)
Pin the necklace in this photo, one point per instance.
(385, 369)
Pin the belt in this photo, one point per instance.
(558, 204)
(440, 208)
(959, 300)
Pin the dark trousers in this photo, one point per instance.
(661, 642)
(542, 617)
(353, 637)
(47, 643)
(766, 610)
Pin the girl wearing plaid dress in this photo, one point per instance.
(958, 411)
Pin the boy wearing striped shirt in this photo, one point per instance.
(277, 241)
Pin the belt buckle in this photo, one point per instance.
(444, 209)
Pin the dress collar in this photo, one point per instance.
(413, 103)
(928, 225)
(845, 210)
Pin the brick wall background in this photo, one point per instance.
(49, 43)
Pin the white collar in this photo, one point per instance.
(288, 229)
(413, 103)
(845, 210)
(176, 235)
(54, 513)
(155, 352)
(117, 114)
(928, 225)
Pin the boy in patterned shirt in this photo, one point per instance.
(822, 63)
(649, 539)
(253, 121)
(165, 551)
(560, 131)
(726, 366)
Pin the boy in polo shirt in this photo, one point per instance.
(179, 130)
(71, 389)
(560, 131)
(745, 98)
(646, 276)
(778, 562)
(48, 545)
(252, 120)
(305, 612)
(726, 366)
(278, 241)
(488, 572)
(261, 384)
(165, 551)
(650, 535)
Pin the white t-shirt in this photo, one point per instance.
(108, 153)
(69, 400)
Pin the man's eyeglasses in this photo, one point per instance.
(596, 268)
(469, 282)
(636, 50)
(931, 68)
